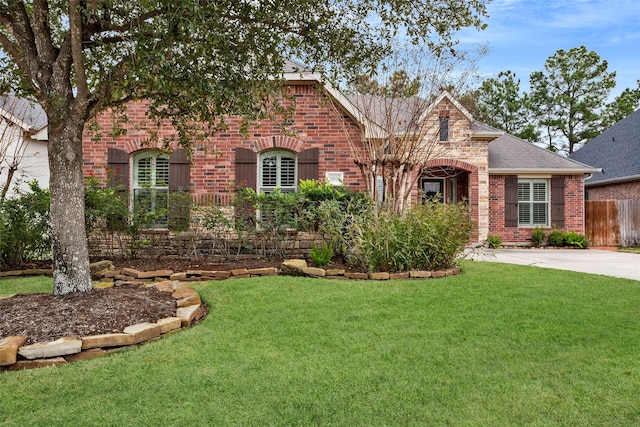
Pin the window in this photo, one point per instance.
(444, 126)
(151, 186)
(533, 202)
(433, 190)
(277, 169)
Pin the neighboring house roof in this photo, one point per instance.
(27, 114)
(616, 151)
(509, 155)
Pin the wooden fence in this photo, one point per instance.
(613, 222)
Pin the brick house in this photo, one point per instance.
(616, 152)
(510, 185)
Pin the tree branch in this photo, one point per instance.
(75, 25)
(41, 27)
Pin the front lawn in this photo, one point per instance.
(498, 345)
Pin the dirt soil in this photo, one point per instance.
(44, 317)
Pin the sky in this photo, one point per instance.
(522, 34)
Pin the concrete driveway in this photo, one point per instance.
(594, 261)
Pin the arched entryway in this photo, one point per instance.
(452, 181)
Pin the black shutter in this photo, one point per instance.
(511, 201)
(118, 164)
(246, 167)
(308, 164)
(179, 171)
(557, 202)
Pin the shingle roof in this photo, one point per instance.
(293, 66)
(27, 114)
(399, 113)
(616, 151)
(509, 154)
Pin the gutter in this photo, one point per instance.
(612, 180)
(554, 171)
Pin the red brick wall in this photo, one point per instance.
(620, 191)
(317, 124)
(573, 210)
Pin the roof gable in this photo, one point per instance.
(453, 101)
(616, 151)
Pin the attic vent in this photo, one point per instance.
(613, 139)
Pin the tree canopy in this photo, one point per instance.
(195, 60)
(501, 104)
(566, 104)
(569, 93)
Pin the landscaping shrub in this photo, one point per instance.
(106, 209)
(342, 222)
(263, 221)
(572, 238)
(494, 241)
(537, 236)
(179, 211)
(576, 240)
(218, 223)
(428, 236)
(322, 256)
(556, 237)
(315, 192)
(24, 226)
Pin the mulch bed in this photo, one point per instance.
(44, 317)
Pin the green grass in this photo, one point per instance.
(27, 285)
(498, 345)
(630, 249)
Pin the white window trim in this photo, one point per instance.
(280, 154)
(547, 201)
(135, 184)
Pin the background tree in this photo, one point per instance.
(624, 104)
(399, 84)
(195, 61)
(568, 96)
(501, 104)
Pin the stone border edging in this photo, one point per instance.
(14, 355)
(294, 267)
(106, 272)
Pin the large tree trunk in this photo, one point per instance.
(71, 271)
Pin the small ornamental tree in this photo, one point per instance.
(400, 134)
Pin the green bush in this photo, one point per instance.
(556, 237)
(218, 223)
(24, 226)
(341, 223)
(494, 241)
(179, 211)
(106, 209)
(537, 236)
(263, 221)
(322, 256)
(576, 240)
(428, 236)
(314, 193)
